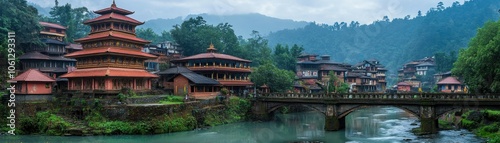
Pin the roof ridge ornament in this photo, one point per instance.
(211, 48)
(113, 5)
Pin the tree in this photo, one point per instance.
(335, 85)
(19, 17)
(478, 64)
(194, 35)
(71, 18)
(440, 6)
(277, 79)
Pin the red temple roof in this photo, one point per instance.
(103, 50)
(449, 80)
(403, 84)
(52, 25)
(115, 9)
(33, 75)
(115, 16)
(213, 56)
(112, 34)
(109, 72)
(235, 83)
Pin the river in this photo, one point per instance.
(371, 125)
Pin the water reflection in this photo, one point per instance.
(381, 124)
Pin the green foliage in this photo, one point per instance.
(492, 115)
(122, 97)
(237, 109)
(335, 85)
(71, 18)
(172, 100)
(4, 112)
(444, 125)
(150, 35)
(51, 124)
(468, 124)
(478, 64)
(224, 91)
(177, 123)
(277, 79)
(195, 36)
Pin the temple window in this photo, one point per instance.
(113, 59)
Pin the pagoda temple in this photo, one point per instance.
(111, 58)
(229, 71)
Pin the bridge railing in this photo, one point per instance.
(395, 96)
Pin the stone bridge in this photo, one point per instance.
(428, 107)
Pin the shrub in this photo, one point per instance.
(468, 124)
(51, 124)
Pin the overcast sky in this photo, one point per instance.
(320, 11)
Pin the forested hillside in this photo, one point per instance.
(243, 24)
(394, 42)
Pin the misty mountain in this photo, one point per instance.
(243, 24)
(394, 42)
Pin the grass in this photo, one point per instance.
(172, 100)
(169, 102)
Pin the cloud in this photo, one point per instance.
(320, 11)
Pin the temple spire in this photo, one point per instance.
(113, 5)
(211, 49)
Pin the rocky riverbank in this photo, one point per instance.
(97, 117)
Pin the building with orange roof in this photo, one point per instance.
(450, 85)
(231, 72)
(404, 87)
(33, 82)
(111, 58)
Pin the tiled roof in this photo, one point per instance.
(425, 64)
(39, 56)
(175, 70)
(212, 56)
(449, 80)
(34, 56)
(403, 84)
(110, 72)
(113, 16)
(52, 41)
(74, 46)
(103, 50)
(112, 34)
(33, 75)
(113, 8)
(199, 79)
(235, 83)
(51, 25)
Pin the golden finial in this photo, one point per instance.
(211, 48)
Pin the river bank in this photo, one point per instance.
(95, 117)
(483, 123)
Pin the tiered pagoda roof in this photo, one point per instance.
(112, 35)
(210, 54)
(111, 50)
(109, 72)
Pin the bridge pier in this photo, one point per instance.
(259, 110)
(428, 121)
(332, 121)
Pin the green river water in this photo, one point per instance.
(371, 125)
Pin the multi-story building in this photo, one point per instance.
(48, 59)
(367, 76)
(422, 68)
(228, 71)
(111, 58)
(313, 73)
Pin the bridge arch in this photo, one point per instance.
(348, 111)
(317, 109)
